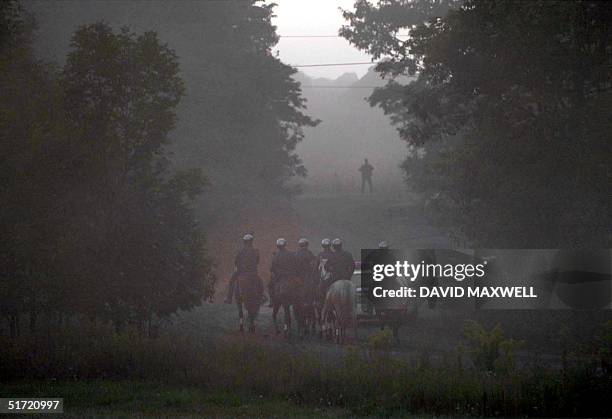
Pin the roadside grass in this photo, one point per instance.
(181, 374)
(150, 399)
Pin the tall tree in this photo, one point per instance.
(244, 112)
(93, 219)
(32, 133)
(121, 93)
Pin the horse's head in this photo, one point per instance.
(324, 275)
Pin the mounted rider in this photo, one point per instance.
(305, 260)
(341, 263)
(283, 266)
(325, 254)
(246, 262)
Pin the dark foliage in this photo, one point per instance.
(507, 123)
(93, 221)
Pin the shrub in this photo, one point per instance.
(490, 350)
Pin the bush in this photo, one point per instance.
(361, 381)
(490, 351)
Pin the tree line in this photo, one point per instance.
(507, 124)
(98, 221)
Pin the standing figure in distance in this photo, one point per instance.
(246, 262)
(366, 170)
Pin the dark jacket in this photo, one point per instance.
(341, 265)
(247, 260)
(366, 170)
(283, 264)
(305, 263)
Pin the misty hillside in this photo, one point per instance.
(350, 131)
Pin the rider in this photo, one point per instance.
(282, 267)
(246, 262)
(326, 253)
(341, 264)
(304, 260)
(383, 245)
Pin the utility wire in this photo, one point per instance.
(332, 64)
(339, 87)
(326, 36)
(309, 36)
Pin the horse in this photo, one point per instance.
(339, 307)
(320, 287)
(287, 295)
(249, 296)
(304, 307)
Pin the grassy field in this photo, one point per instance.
(150, 399)
(99, 372)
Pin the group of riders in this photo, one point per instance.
(292, 272)
(287, 264)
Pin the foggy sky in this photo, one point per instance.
(316, 17)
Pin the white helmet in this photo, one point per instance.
(326, 242)
(337, 242)
(281, 242)
(303, 242)
(383, 245)
(247, 237)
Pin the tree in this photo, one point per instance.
(244, 114)
(507, 112)
(149, 257)
(32, 130)
(93, 220)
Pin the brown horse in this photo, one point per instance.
(290, 293)
(249, 296)
(304, 308)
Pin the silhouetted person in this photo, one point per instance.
(246, 262)
(366, 170)
(326, 252)
(283, 266)
(305, 260)
(341, 263)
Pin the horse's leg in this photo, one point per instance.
(240, 315)
(275, 308)
(325, 320)
(287, 311)
(251, 316)
(300, 317)
(312, 316)
(329, 325)
(318, 319)
(308, 319)
(396, 327)
(337, 328)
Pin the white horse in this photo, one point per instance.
(339, 309)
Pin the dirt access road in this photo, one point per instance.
(362, 221)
